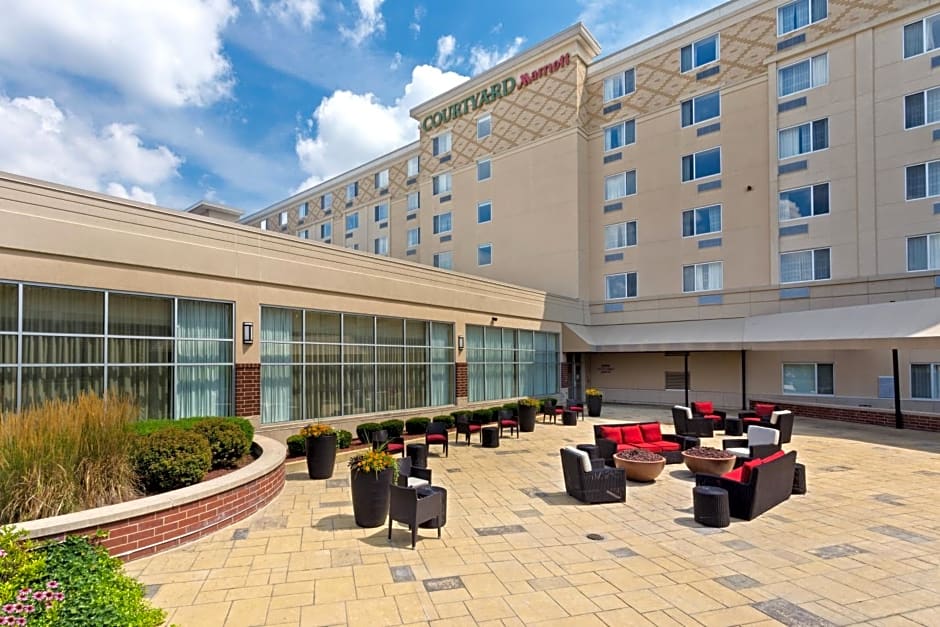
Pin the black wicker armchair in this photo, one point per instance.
(598, 485)
(768, 485)
(436, 434)
(394, 446)
(686, 424)
(466, 426)
(412, 476)
(406, 506)
(508, 420)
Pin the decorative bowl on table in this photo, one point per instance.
(640, 465)
(708, 460)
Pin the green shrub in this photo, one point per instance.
(143, 427)
(482, 415)
(171, 459)
(463, 412)
(296, 445)
(343, 438)
(529, 402)
(447, 419)
(394, 427)
(65, 456)
(513, 407)
(365, 430)
(417, 425)
(226, 439)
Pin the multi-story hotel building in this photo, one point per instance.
(746, 204)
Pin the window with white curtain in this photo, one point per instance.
(701, 164)
(352, 190)
(699, 53)
(922, 108)
(620, 185)
(620, 286)
(922, 180)
(326, 230)
(923, 252)
(925, 381)
(380, 245)
(326, 201)
(619, 85)
(619, 135)
(701, 221)
(510, 363)
(620, 235)
(803, 202)
(414, 166)
(414, 201)
(380, 212)
(702, 277)
(444, 260)
(701, 108)
(808, 379)
(381, 179)
(803, 75)
(805, 265)
(799, 14)
(440, 183)
(803, 139)
(413, 237)
(922, 36)
(442, 223)
(441, 144)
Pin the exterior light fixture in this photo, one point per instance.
(493, 320)
(459, 342)
(248, 333)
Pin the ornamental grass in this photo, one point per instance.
(64, 456)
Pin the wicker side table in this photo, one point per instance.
(711, 506)
(799, 479)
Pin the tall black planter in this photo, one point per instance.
(321, 456)
(527, 419)
(370, 496)
(594, 405)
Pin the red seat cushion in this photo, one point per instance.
(735, 475)
(632, 434)
(667, 446)
(703, 407)
(773, 457)
(625, 447)
(613, 434)
(559, 410)
(651, 432)
(764, 409)
(435, 438)
(748, 467)
(395, 448)
(712, 416)
(475, 428)
(751, 419)
(507, 423)
(576, 408)
(649, 446)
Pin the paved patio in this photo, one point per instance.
(861, 547)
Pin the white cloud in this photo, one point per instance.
(446, 47)
(167, 52)
(619, 23)
(396, 62)
(41, 140)
(482, 59)
(288, 11)
(354, 128)
(370, 22)
(419, 14)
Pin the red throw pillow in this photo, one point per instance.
(632, 434)
(651, 432)
(704, 407)
(763, 409)
(773, 457)
(748, 467)
(612, 433)
(735, 475)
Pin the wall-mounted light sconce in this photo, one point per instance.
(493, 320)
(248, 333)
(459, 342)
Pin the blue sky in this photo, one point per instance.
(245, 102)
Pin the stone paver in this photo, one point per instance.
(861, 546)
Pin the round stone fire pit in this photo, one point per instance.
(641, 466)
(708, 460)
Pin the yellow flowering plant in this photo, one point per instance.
(373, 461)
(316, 430)
(593, 392)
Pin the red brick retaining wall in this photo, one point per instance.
(860, 415)
(247, 389)
(461, 382)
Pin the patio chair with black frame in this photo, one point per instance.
(392, 446)
(508, 420)
(760, 442)
(686, 424)
(436, 434)
(465, 426)
(408, 507)
(590, 480)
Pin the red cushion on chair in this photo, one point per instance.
(735, 475)
(712, 416)
(625, 447)
(435, 438)
(703, 407)
(665, 445)
(752, 419)
(773, 457)
(576, 408)
(748, 467)
(613, 434)
(764, 409)
(474, 428)
(506, 422)
(651, 432)
(559, 410)
(395, 448)
(649, 446)
(632, 434)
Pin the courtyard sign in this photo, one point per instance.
(492, 94)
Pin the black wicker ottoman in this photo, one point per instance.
(711, 506)
(799, 479)
(418, 454)
(490, 437)
(734, 426)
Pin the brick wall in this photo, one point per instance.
(151, 533)
(860, 415)
(247, 389)
(565, 375)
(461, 383)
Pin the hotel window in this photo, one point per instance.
(414, 166)
(380, 246)
(326, 230)
(922, 36)
(264, 225)
(282, 218)
(302, 210)
(803, 75)
(620, 185)
(702, 277)
(440, 183)
(922, 108)
(414, 237)
(925, 381)
(619, 286)
(442, 223)
(702, 52)
(805, 265)
(305, 234)
(620, 135)
(485, 255)
(619, 85)
(923, 252)
(808, 379)
(381, 212)
(414, 201)
(484, 126)
(701, 108)
(381, 180)
(352, 190)
(922, 180)
(620, 235)
(484, 169)
(701, 164)
(444, 260)
(799, 14)
(510, 363)
(326, 201)
(701, 221)
(484, 212)
(352, 221)
(803, 202)
(803, 139)
(440, 145)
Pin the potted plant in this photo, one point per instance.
(320, 444)
(370, 475)
(594, 400)
(527, 409)
(640, 465)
